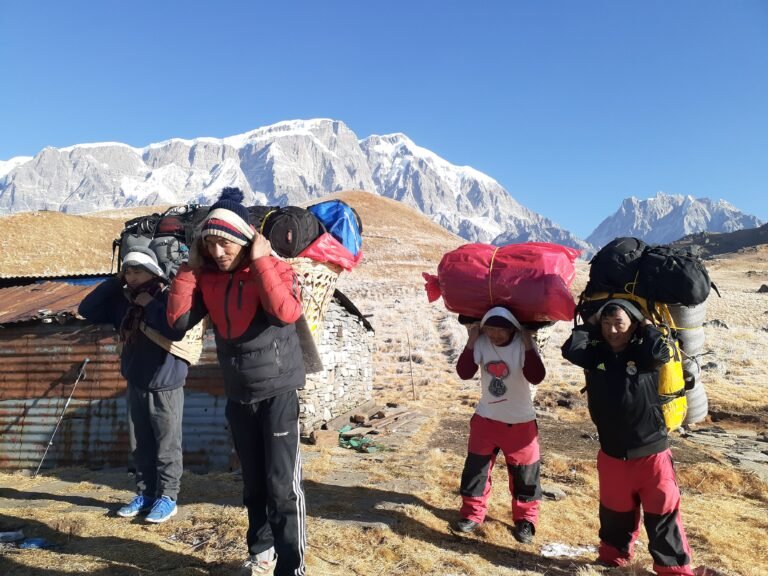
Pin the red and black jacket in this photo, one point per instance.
(253, 310)
(622, 389)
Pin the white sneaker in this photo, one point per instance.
(261, 563)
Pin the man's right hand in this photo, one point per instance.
(260, 247)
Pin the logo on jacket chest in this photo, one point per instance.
(497, 370)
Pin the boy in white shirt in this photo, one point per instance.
(504, 420)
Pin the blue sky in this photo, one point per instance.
(571, 105)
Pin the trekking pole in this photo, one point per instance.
(410, 361)
(80, 374)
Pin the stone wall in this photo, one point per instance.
(346, 381)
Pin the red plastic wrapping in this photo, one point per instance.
(327, 249)
(532, 279)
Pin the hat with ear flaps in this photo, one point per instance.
(229, 219)
(629, 307)
(144, 258)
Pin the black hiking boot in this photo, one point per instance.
(464, 525)
(523, 531)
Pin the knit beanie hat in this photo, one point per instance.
(229, 219)
(144, 258)
(629, 307)
(500, 317)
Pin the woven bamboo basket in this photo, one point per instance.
(318, 282)
(190, 348)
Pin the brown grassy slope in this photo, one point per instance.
(413, 485)
(740, 350)
(51, 243)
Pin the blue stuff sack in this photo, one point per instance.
(342, 222)
(35, 543)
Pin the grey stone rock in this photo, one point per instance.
(552, 492)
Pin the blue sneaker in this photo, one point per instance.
(140, 504)
(162, 510)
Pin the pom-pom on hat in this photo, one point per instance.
(500, 317)
(144, 258)
(229, 219)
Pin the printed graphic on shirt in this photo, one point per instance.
(498, 370)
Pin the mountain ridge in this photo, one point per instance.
(286, 163)
(297, 161)
(665, 218)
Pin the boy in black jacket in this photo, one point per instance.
(621, 351)
(134, 301)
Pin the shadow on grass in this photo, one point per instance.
(364, 506)
(51, 487)
(370, 506)
(12, 493)
(125, 557)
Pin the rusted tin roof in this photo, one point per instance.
(64, 273)
(49, 302)
(39, 364)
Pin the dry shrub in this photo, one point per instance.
(716, 479)
(567, 470)
(73, 525)
(216, 532)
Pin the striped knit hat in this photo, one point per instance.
(229, 219)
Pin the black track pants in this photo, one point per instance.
(266, 437)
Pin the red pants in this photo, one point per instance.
(625, 486)
(520, 445)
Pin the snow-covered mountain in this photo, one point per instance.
(666, 218)
(286, 163)
(460, 198)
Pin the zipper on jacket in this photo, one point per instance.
(277, 356)
(226, 306)
(240, 295)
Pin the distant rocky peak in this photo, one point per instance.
(664, 218)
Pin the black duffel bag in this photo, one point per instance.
(673, 276)
(290, 230)
(615, 266)
(258, 212)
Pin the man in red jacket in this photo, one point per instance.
(253, 301)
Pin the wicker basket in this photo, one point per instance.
(318, 282)
(190, 348)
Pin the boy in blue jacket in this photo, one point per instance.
(134, 302)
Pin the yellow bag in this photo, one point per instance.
(674, 404)
(671, 382)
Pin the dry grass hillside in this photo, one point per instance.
(387, 513)
(51, 243)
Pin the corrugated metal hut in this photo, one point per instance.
(43, 346)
